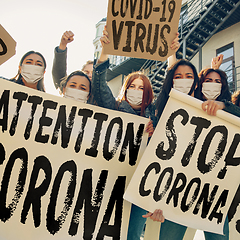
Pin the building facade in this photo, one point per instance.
(207, 28)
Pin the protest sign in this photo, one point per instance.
(64, 166)
(7, 45)
(190, 168)
(142, 29)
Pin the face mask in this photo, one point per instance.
(183, 85)
(76, 94)
(32, 73)
(211, 90)
(134, 96)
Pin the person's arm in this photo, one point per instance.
(217, 61)
(174, 46)
(104, 40)
(211, 107)
(59, 68)
(101, 91)
(157, 215)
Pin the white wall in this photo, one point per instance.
(229, 35)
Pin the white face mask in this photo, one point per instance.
(32, 73)
(183, 85)
(134, 96)
(76, 94)
(211, 90)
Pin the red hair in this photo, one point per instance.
(147, 89)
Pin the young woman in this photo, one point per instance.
(59, 68)
(31, 71)
(215, 92)
(76, 86)
(183, 77)
(208, 94)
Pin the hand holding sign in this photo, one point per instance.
(142, 29)
(7, 45)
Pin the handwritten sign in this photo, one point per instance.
(7, 45)
(190, 168)
(142, 28)
(64, 166)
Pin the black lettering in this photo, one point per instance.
(134, 144)
(139, 17)
(156, 196)
(221, 201)
(22, 155)
(21, 97)
(185, 207)
(34, 193)
(4, 47)
(155, 40)
(129, 24)
(116, 33)
(233, 208)
(93, 150)
(205, 200)
(132, 7)
(92, 204)
(4, 104)
(106, 154)
(148, 8)
(171, 8)
(53, 225)
(86, 113)
(171, 135)
(116, 196)
(45, 121)
(164, 52)
(200, 123)
(114, 13)
(66, 126)
(229, 159)
(152, 166)
(35, 100)
(139, 37)
(123, 13)
(201, 163)
(2, 154)
(174, 193)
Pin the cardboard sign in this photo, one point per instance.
(7, 45)
(190, 168)
(64, 166)
(142, 28)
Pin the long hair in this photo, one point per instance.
(147, 89)
(168, 84)
(236, 98)
(65, 80)
(18, 77)
(225, 93)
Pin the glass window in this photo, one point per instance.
(228, 65)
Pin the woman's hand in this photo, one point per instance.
(211, 107)
(67, 37)
(217, 61)
(157, 215)
(149, 128)
(174, 46)
(104, 40)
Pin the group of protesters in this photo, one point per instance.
(88, 85)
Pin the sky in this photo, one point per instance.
(39, 25)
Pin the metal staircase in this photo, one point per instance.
(199, 21)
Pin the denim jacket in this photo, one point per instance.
(104, 97)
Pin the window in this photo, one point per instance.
(228, 64)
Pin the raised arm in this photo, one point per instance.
(59, 68)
